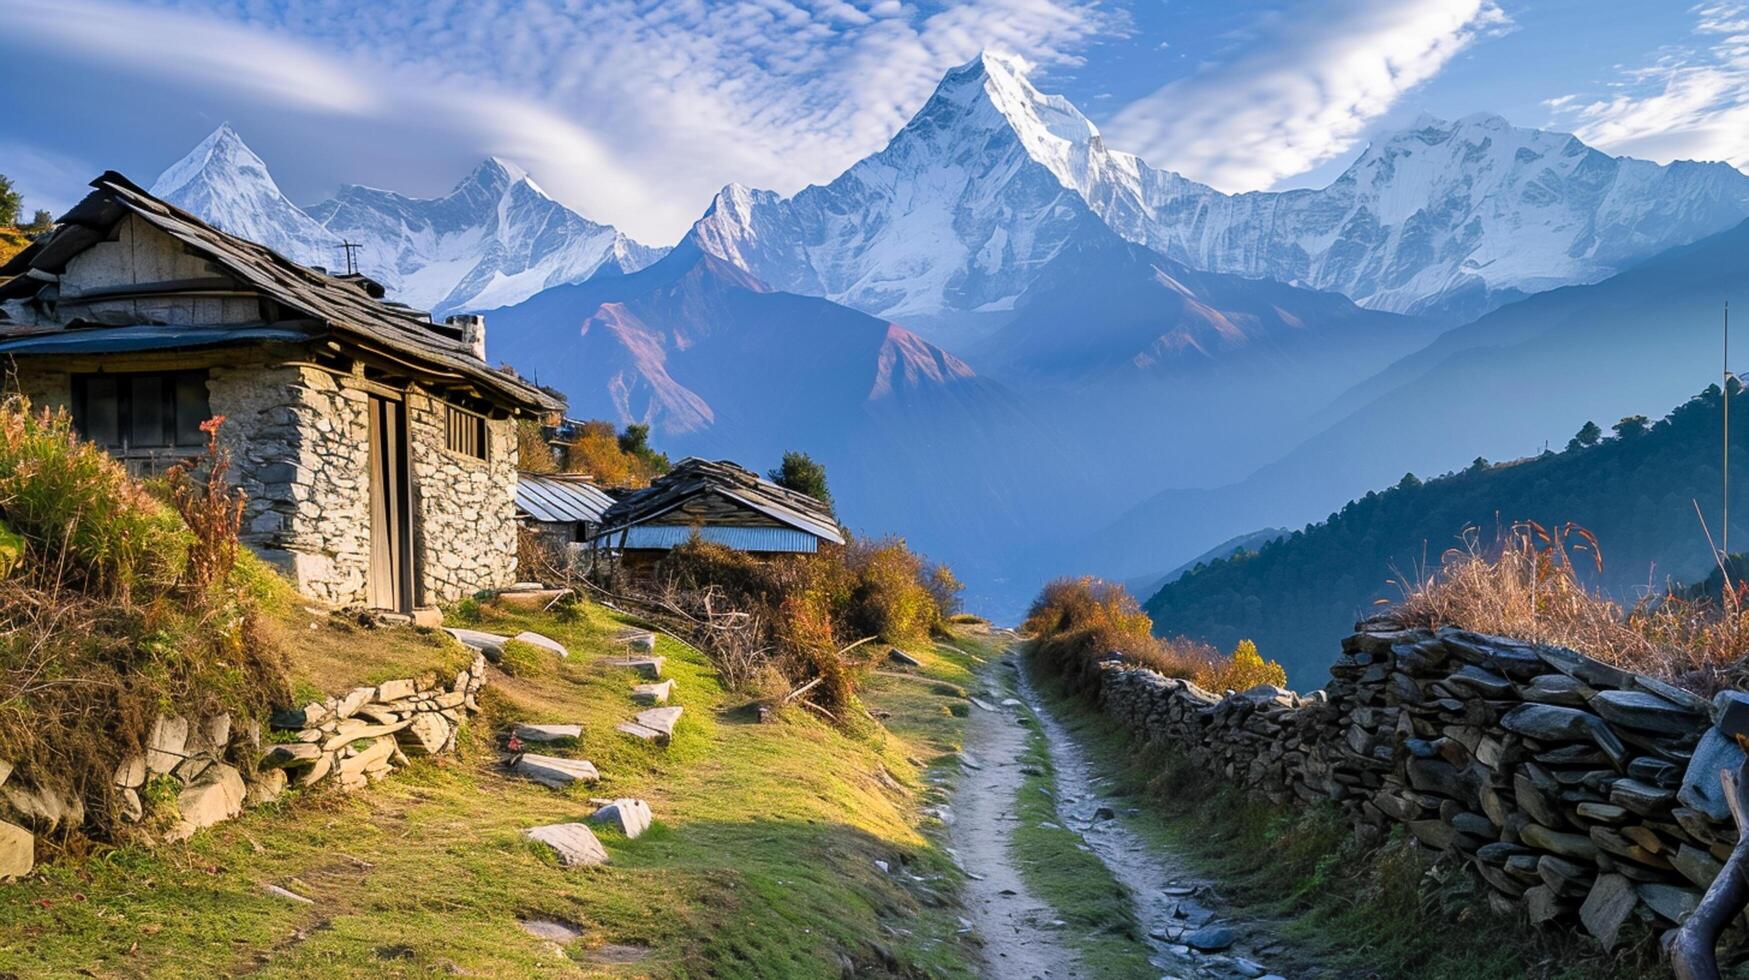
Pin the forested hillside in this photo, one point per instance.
(1633, 485)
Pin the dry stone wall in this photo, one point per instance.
(198, 772)
(1575, 790)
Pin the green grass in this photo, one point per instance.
(1097, 910)
(762, 862)
(1355, 911)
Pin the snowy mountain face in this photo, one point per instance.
(495, 240)
(1450, 218)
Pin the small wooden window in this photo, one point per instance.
(129, 413)
(464, 432)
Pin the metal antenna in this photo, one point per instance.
(1725, 392)
(349, 248)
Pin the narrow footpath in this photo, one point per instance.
(1188, 932)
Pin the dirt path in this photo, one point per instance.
(1020, 940)
(1022, 935)
(1177, 909)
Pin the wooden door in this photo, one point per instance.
(391, 508)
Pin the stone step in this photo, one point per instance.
(574, 843)
(648, 667)
(489, 644)
(548, 733)
(642, 641)
(550, 770)
(631, 816)
(655, 725)
(544, 642)
(531, 598)
(653, 693)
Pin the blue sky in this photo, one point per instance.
(636, 111)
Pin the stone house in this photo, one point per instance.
(377, 448)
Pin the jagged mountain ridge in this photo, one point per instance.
(1448, 217)
(494, 240)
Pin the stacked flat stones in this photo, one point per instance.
(361, 736)
(1577, 791)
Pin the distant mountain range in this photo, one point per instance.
(495, 239)
(1036, 354)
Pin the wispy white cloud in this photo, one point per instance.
(1689, 102)
(634, 111)
(1300, 89)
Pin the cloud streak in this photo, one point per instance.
(1689, 102)
(1301, 90)
(633, 111)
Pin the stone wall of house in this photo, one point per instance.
(299, 439)
(464, 538)
(197, 772)
(1575, 790)
(301, 452)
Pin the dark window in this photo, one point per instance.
(126, 412)
(464, 432)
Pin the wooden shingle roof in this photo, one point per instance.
(694, 477)
(341, 306)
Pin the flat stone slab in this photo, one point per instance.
(575, 844)
(552, 930)
(544, 642)
(549, 770)
(655, 725)
(489, 644)
(1646, 712)
(530, 598)
(650, 667)
(642, 641)
(653, 693)
(632, 817)
(548, 733)
(902, 658)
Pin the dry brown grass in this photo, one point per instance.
(1078, 621)
(1528, 587)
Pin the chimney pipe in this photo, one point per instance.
(473, 327)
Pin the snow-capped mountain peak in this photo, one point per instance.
(495, 239)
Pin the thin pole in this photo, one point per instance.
(1725, 391)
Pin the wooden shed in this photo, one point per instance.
(721, 503)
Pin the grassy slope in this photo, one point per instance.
(761, 863)
(12, 241)
(1360, 913)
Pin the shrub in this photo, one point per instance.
(1241, 670)
(119, 608)
(795, 620)
(1527, 587)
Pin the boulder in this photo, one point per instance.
(217, 797)
(17, 850)
(574, 843)
(166, 745)
(632, 817)
(265, 787)
(1608, 905)
(653, 693)
(546, 643)
(1210, 939)
(554, 771)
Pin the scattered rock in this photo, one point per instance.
(655, 725)
(574, 843)
(217, 797)
(1210, 939)
(653, 693)
(17, 850)
(902, 658)
(553, 771)
(287, 894)
(632, 817)
(166, 743)
(544, 642)
(548, 733)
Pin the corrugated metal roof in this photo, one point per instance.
(662, 536)
(554, 500)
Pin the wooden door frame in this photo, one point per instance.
(391, 480)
